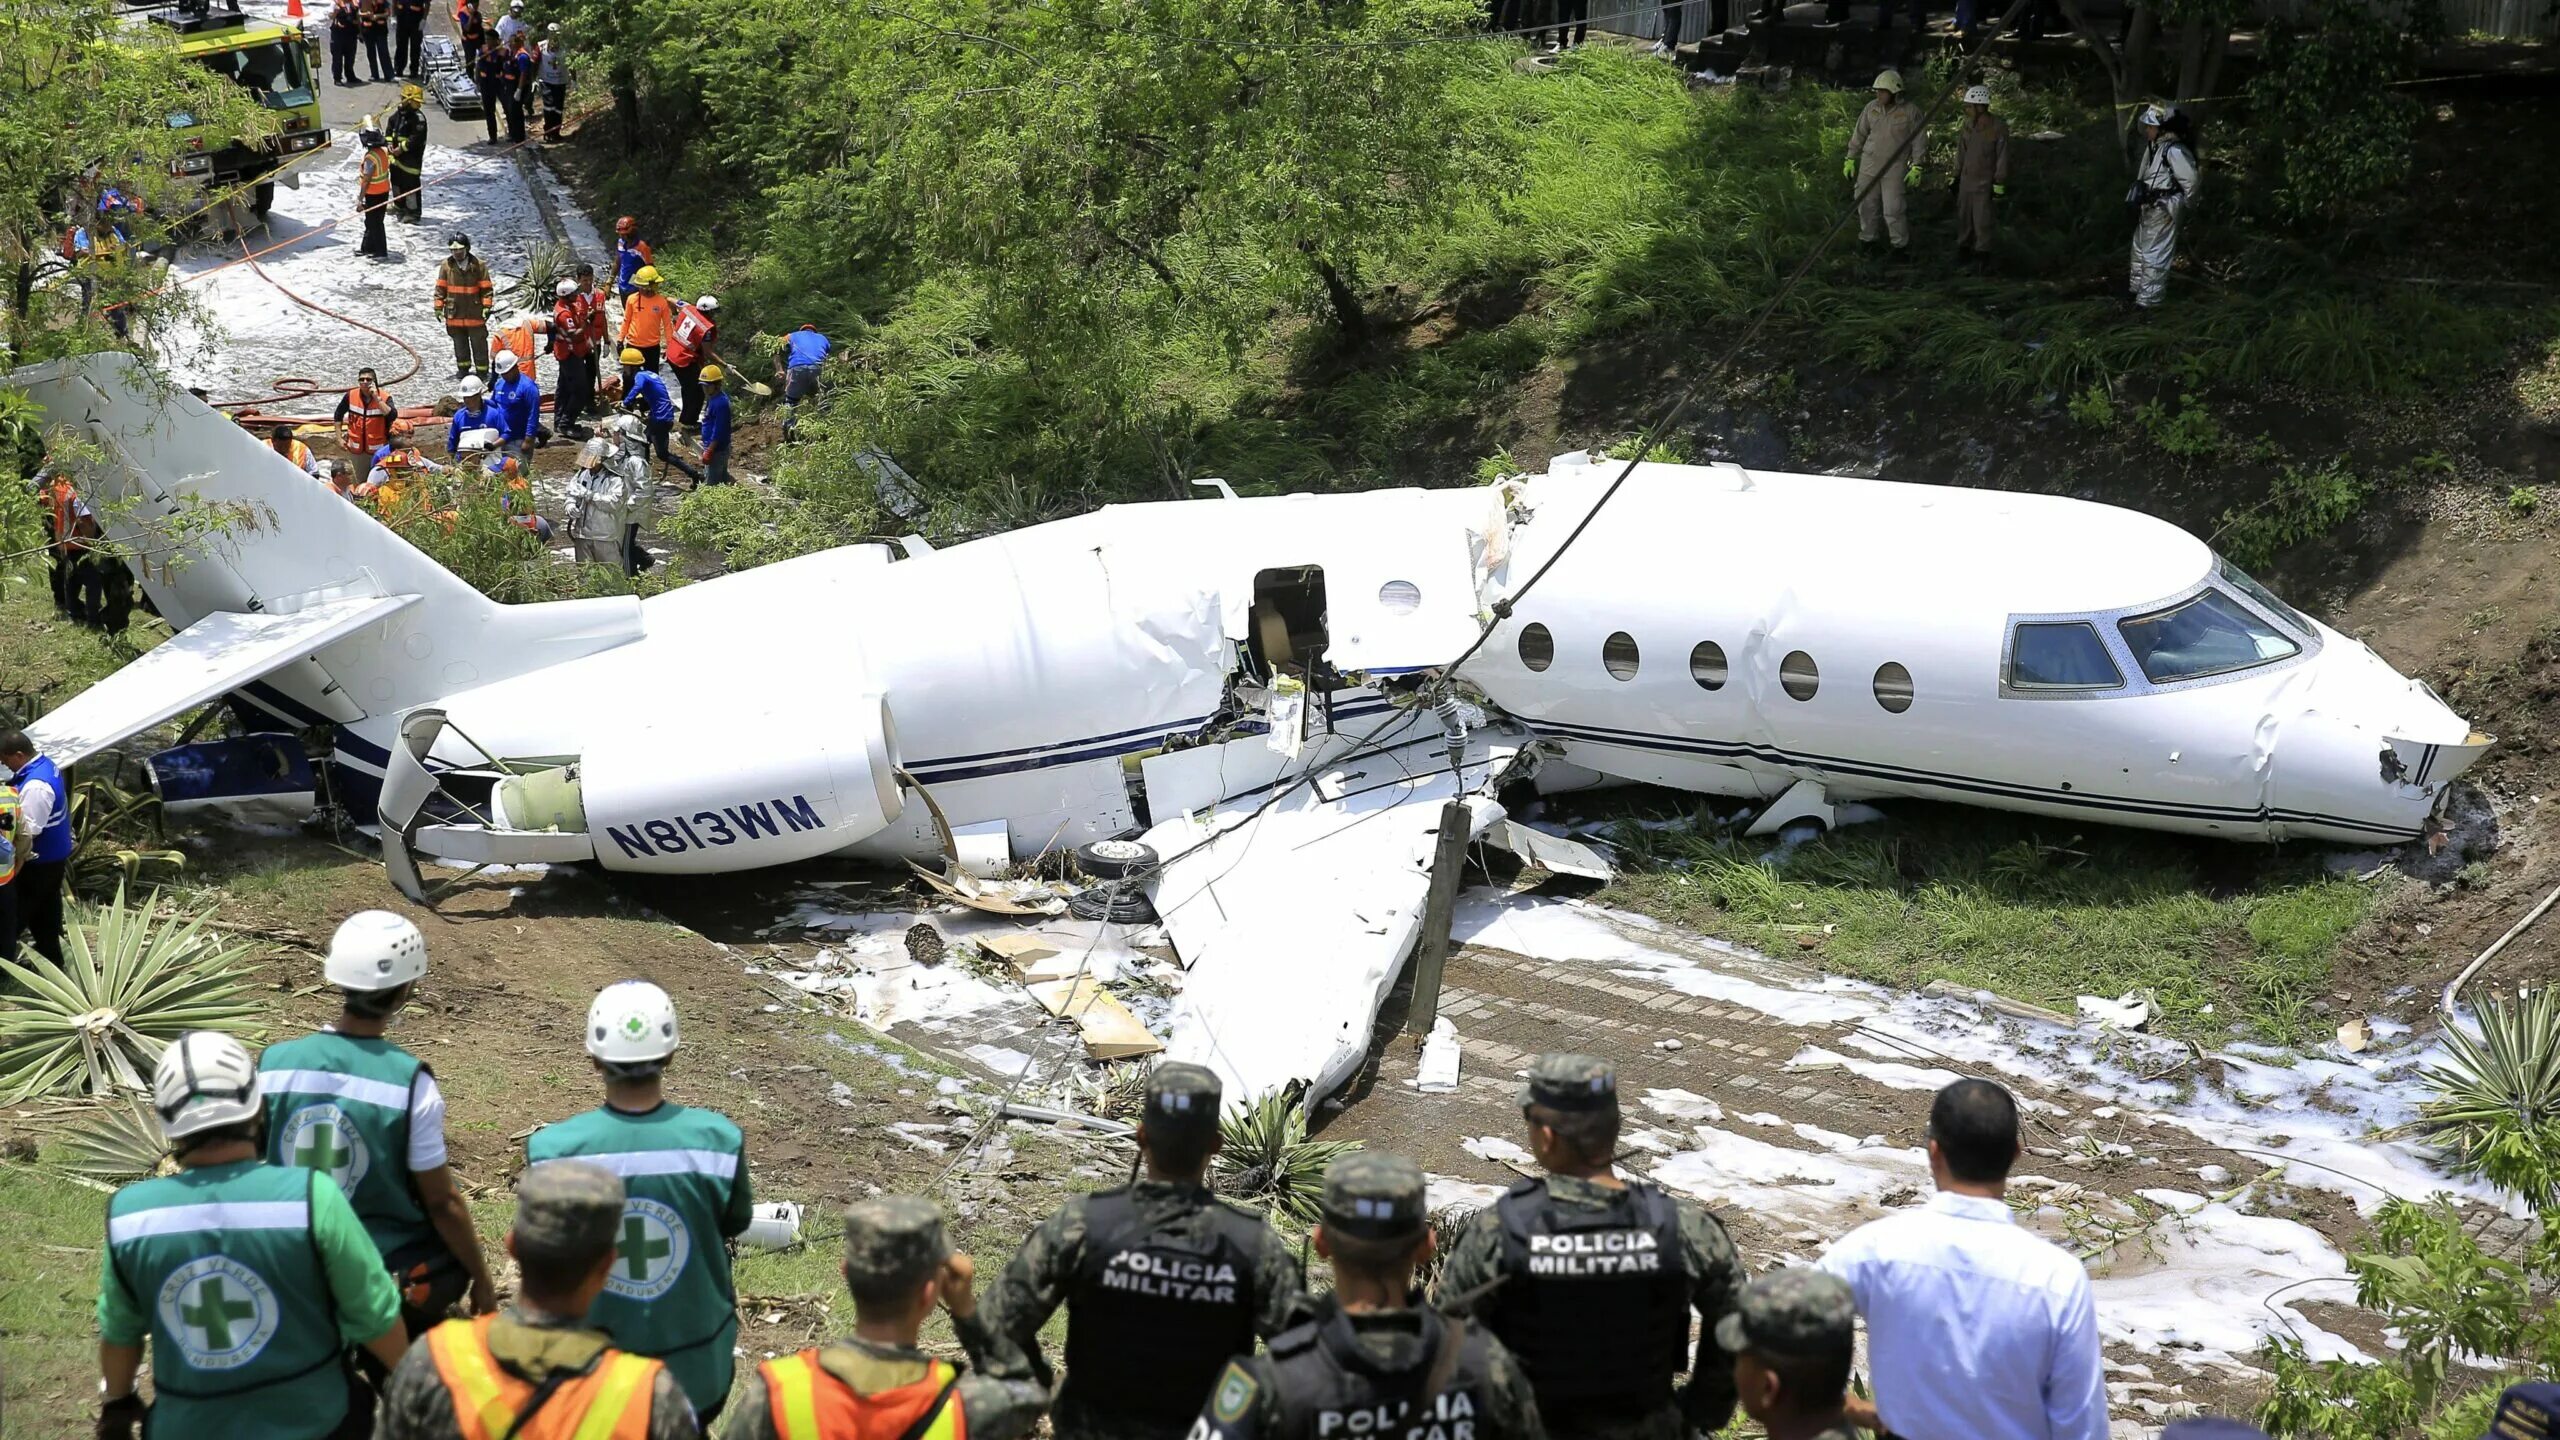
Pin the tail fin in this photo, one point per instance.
(161, 447)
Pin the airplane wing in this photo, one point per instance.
(1293, 915)
(214, 656)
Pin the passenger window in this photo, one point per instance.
(2211, 634)
(1706, 665)
(1618, 656)
(2065, 656)
(1798, 675)
(1893, 687)
(1537, 647)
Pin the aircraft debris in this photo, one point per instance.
(2355, 1037)
(1552, 853)
(1438, 1072)
(1109, 1031)
(2130, 1011)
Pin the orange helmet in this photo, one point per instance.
(625, 225)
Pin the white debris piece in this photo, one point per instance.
(1498, 1150)
(1438, 1072)
(2130, 1011)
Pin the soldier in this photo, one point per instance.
(534, 1365)
(877, 1385)
(249, 1280)
(1370, 1363)
(1163, 1282)
(350, 1102)
(1792, 1337)
(1590, 1279)
(670, 1295)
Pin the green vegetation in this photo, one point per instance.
(2300, 504)
(1268, 1161)
(131, 980)
(2022, 908)
(49, 1228)
(2496, 1108)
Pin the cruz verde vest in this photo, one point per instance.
(53, 842)
(1156, 1314)
(341, 1104)
(669, 1296)
(1596, 1305)
(244, 1336)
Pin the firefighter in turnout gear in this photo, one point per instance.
(1589, 1279)
(877, 1385)
(1163, 1282)
(249, 1280)
(670, 1295)
(1370, 1364)
(350, 1102)
(533, 1371)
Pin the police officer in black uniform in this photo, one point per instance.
(1371, 1364)
(1163, 1282)
(1590, 1279)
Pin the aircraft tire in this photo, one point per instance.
(1114, 904)
(1114, 859)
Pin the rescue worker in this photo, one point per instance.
(489, 77)
(469, 33)
(394, 471)
(1885, 151)
(1163, 1282)
(519, 80)
(1590, 1279)
(804, 353)
(344, 27)
(470, 412)
(348, 1101)
(511, 24)
(716, 427)
(373, 191)
(629, 455)
(670, 1296)
(877, 1384)
(1982, 173)
(250, 1281)
(572, 342)
(364, 416)
(515, 496)
(599, 506)
(14, 843)
(630, 253)
(409, 39)
(284, 442)
(463, 296)
(688, 350)
(645, 395)
(1792, 1336)
(533, 1366)
(373, 20)
(2164, 185)
(1370, 1362)
(518, 402)
(646, 317)
(407, 132)
(553, 71)
(69, 528)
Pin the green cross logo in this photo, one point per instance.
(634, 1026)
(321, 1137)
(213, 1313)
(651, 1252)
(636, 1249)
(320, 1150)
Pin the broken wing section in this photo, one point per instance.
(1296, 890)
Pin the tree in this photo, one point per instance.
(2331, 121)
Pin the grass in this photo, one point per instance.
(51, 1230)
(2228, 940)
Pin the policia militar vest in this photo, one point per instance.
(1156, 1316)
(1595, 1301)
(244, 1333)
(1327, 1384)
(341, 1103)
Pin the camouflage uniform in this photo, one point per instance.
(1117, 1260)
(567, 1207)
(1407, 1374)
(900, 1235)
(1475, 1278)
(1799, 1313)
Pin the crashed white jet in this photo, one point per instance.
(1277, 669)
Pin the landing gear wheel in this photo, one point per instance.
(1115, 903)
(1114, 859)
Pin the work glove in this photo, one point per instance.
(1911, 176)
(1849, 168)
(2001, 190)
(120, 1419)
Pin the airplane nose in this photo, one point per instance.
(2366, 750)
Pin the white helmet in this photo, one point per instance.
(376, 950)
(707, 304)
(1888, 80)
(565, 288)
(1978, 95)
(632, 1023)
(204, 1081)
(504, 360)
(471, 385)
(2155, 114)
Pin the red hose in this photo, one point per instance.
(296, 387)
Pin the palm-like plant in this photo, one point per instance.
(2496, 1110)
(1269, 1161)
(114, 1142)
(131, 981)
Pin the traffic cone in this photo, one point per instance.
(293, 9)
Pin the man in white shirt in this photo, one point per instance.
(1976, 1329)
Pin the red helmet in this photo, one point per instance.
(625, 225)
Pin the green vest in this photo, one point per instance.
(244, 1336)
(341, 1104)
(669, 1296)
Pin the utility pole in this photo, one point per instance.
(1431, 955)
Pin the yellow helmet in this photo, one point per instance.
(412, 95)
(645, 275)
(632, 356)
(713, 374)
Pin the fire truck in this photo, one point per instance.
(270, 59)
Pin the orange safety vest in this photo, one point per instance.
(67, 521)
(297, 452)
(807, 1403)
(609, 1402)
(368, 422)
(375, 173)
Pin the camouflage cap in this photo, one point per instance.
(567, 1208)
(892, 1238)
(1182, 1096)
(2526, 1412)
(2212, 1427)
(1372, 1195)
(1559, 1081)
(1796, 1312)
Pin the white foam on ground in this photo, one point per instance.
(1826, 1193)
(1494, 1147)
(1443, 1193)
(1682, 1105)
(1887, 1073)
(890, 991)
(2215, 1284)
(1636, 948)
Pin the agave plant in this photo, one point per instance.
(2496, 1110)
(103, 815)
(1269, 1161)
(131, 981)
(115, 1142)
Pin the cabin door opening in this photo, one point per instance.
(1287, 634)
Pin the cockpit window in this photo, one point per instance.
(2066, 655)
(2240, 580)
(2211, 634)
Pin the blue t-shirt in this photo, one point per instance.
(715, 421)
(518, 403)
(805, 347)
(464, 422)
(647, 386)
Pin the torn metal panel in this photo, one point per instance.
(1552, 852)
